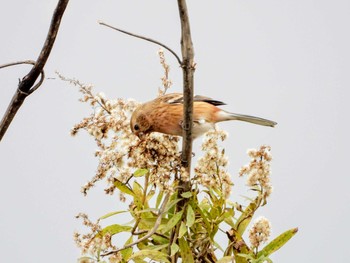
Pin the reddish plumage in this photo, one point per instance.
(165, 114)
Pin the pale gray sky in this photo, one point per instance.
(278, 59)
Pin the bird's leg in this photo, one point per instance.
(186, 128)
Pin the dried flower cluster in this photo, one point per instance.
(93, 242)
(210, 170)
(120, 152)
(166, 82)
(258, 170)
(259, 232)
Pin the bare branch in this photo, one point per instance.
(144, 38)
(188, 72)
(25, 87)
(150, 232)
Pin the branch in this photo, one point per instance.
(25, 86)
(150, 232)
(188, 72)
(31, 62)
(144, 38)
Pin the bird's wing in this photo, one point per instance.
(177, 98)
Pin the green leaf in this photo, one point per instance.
(160, 240)
(183, 229)
(171, 204)
(159, 198)
(246, 216)
(174, 249)
(218, 246)
(227, 259)
(172, 222)
(150, 195)
(126, 253)
(185, 251)
(146, 210)
(112, 214)
(148, 222)
(138, 190)
(113, 229)
(186, 195)
(140, 172)
(123, 188)
(190, 216)
(278, 242)
(158, 247)
(151, 254)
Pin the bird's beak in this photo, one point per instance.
(141, 135)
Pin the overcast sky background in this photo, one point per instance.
(278, 59)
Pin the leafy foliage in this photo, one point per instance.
(168, 225)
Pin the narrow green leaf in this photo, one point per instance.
(159, 198)
(146, 210)
(158, 247)
(123, 188)
(174, 249)
(227, 259)
(185, 251)
(190, 216)
(140, 172)
(171, 204)
(113, 229)
(126, 253)
(172, 222)
(278, 242)
(218, 246)
(150, 194)
(112, 214)
(183, 229)
(246, 216)
(186, 195)
(151, 254)
(160, 240)
(138, 190)
(147, 223)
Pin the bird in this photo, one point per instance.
(165, 115)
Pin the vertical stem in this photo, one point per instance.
(188, 73)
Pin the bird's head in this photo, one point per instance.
(140, 124)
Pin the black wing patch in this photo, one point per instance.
(208, 100)
(178, 100)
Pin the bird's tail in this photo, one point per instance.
(226, 116)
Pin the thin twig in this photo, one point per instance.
(144, 38)
(31, 62)
(150, 232)
(25, 86)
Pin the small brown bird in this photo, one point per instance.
(165, 114)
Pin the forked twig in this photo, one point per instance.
(30, 62)
(26, 85)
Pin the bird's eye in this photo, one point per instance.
(136, 127)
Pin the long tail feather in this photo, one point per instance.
(252, 119)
